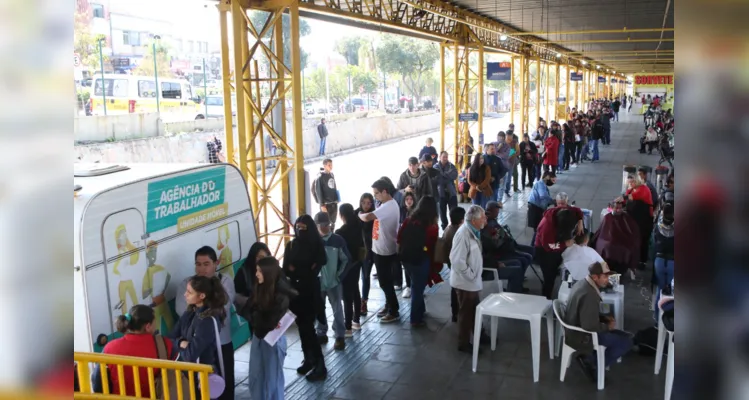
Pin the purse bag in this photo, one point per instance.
(171, 376)
(216, 382)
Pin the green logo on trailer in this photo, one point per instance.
(190, 195)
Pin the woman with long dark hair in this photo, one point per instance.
(271, 295)
(569, 146)
(195, 332)
(366, 205)
(479, 178)
(351, 232)
(303, 258)
(244, 281)
(416, 240)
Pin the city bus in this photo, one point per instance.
(129, 94)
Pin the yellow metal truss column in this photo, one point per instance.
(556, 90)
(512, 90)
(224, 9)
(538, 96)
(263, 84)
(547, 101)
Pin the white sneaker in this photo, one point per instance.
(406, 292)
(348, 334)
(356, 326)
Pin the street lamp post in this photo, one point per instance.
(103, 84)
(156, 73)
(205, 90)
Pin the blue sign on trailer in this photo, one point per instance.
(601, 79)
(576, 77)
(468, 117)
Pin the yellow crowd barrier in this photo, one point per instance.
(84, 362)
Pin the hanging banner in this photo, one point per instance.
(576, 77)
(601, 79)
(641, 80)
(499, 71)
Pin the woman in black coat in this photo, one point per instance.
(528, 158)
(351, 232)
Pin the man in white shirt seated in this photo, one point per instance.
(577, 257)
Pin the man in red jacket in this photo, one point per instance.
(558, 225)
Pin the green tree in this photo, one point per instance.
(349, 48)
(410, 58)
(145, 67)
(315, 88)
(259, 18)
(363, 80)
(86, 44)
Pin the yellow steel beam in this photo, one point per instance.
(443, 90)
(296, 62)
(614, 41)
(548, 83)
(226, 83)
(238, 25)
(283, 166)
(538, 94)
(459, 148)
(591, 32)
(480, 67)
(512, 90)
(614, 61)
(556, 89)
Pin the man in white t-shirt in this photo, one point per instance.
(384, 234)
(577, 257)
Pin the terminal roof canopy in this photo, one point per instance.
(549, 19)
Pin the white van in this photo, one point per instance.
(136, 230)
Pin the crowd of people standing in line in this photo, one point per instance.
(396, 229)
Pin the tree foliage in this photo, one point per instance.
(349, 47)
(259, 19)
(315, 89)
(410, 58)
(145, 67)
(86, 44)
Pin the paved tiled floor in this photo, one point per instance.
(395, 362)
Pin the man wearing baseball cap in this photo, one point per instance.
(583, 310)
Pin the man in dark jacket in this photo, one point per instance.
(427, 167)
(415, 180)
(322, 131)
(497, 166)
(327, 191)
(583, 311)
(446, 193)
(598, 133)
(429, 149)
(615, 106)
(606, 121)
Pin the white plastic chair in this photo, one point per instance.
(670, 366)
(495, 273)
(662, 331)
(567, 351)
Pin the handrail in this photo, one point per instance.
(84, 360)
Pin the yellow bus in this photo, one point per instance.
(128, 94)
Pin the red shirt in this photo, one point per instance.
(133, 345)
(546, 236)
(642, 193)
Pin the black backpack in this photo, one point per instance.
(412, 248)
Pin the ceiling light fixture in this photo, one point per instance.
(559, 55)
(503, 37)
(584, 62)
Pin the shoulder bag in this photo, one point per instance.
(171, 376)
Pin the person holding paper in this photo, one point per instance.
(270, 300)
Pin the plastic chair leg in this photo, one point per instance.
(559, 333)
(476, 338)
(669, 367)
(566, 356)
(550, 331)
(659, 346)
(601, 354)
(494, 321)
(535, 322)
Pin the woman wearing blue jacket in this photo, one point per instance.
(195, 333)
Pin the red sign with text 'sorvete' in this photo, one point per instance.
(654, 80)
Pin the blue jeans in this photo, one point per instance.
(366, 275)
(508, 182)
(496, 194)
(513, 272)
(595, 149)
(322, 145)
(266, 378)
(617, 343)
(664, 274)
(481, 200)
(419, 274)
(561, 157)
(335, 297)
(537, 168)
(616, 116)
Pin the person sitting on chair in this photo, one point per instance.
(583, 310)
(578, 256)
